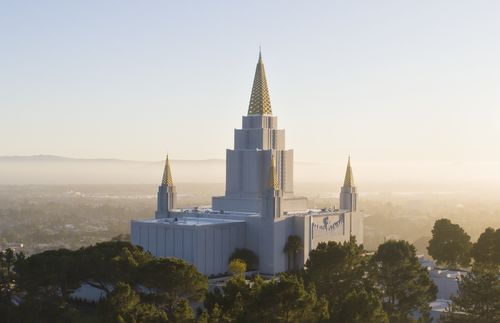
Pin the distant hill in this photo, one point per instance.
(50, 169)
(53, 158)
(371, 176)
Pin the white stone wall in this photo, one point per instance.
(208, 247)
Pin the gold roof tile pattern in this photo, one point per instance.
(167, 174)
(349, 178)
(273, 176)
(260, 103)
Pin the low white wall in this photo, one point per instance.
(208, 247)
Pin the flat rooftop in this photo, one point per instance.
(201, 216)
(325, 211)
(190, 221)
(201, 211)
(208, 211)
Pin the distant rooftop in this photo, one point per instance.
(207, 211)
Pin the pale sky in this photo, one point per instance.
(380, 80)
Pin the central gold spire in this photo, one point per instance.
(260, 103)
(167, 174)
(349, 179)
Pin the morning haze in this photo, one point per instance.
(96, 80)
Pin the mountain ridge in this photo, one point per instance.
(56, 158)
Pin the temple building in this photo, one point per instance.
(259, 210)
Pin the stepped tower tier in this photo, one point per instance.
(255, 145)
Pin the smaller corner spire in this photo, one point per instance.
(167, 174)
(349, 178)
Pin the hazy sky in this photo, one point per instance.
(380, 80)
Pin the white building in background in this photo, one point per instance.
(259, 210)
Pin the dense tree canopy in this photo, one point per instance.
(340, 283)
(361, 306)
(478, 298)
(106, 263)
(124, 305)
(50, 273)
(487, 248)
(337, 269)
(339, 272)
(182, 279)
(226, 304)
(450, 244)
(285, 299)
(405, 285)
(139, 287)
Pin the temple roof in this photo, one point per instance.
(260, 103)
(349, 179)
(167, 174)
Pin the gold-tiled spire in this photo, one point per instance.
(273, 176)
(260, 104)
(349, 179)
(167, 174)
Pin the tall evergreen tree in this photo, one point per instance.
(405, 285)
(450, 245)
(336, 269)
(487, 248)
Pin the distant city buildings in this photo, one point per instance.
(259, 210)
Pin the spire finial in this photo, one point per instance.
(349, 178)
(167, 174)
(260, 103)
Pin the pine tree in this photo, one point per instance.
(450, 244)
(406, 286)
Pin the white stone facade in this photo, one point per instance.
(259, 210)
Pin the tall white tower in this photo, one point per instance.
(248, 165)
(167, 194)
(348, 192)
